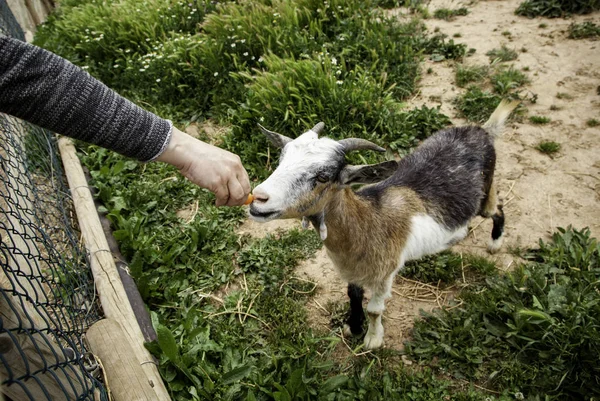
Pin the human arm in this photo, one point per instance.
(47, 90)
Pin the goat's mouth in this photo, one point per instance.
(263, 216)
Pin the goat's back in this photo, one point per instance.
(451, 172)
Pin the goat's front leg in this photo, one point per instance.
(356, 316)
(375, 308)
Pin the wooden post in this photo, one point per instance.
(108, 284)
(126, 379)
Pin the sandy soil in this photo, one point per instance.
(540, 193)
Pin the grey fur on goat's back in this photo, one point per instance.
(451, 172)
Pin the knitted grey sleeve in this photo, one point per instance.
(46, 90)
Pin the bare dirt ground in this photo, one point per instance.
(540, 193)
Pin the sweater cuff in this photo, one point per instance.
(164, 145)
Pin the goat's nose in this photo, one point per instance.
(260, 195)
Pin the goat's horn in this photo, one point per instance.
(276, 139)
(318, 128)
(351, 144)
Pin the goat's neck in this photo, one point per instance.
(344, 214)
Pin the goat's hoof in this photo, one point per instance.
(494, 245)
(349, 332)
(373, 341)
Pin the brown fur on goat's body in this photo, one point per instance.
(354, 223)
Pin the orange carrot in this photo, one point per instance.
(249, 200)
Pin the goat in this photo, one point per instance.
(419, 205)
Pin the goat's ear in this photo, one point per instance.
(276, 139)
(368, 174)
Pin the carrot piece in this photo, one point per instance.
(249, 200)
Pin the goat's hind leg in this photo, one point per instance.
(356, 316)
(493, 208)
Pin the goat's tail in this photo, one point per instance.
(495, 124)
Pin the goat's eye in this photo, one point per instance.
(322, 178)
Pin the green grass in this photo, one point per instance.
(448, 14)
(556, 8)
(502, 54)
(585, 30)
(548, 147)
(506, 80)
(476, 105)
(468, 74)
(539, 120)
(592, 122)
(532, 331)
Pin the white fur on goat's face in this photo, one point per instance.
(294, 189)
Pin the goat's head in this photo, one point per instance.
(310, 170)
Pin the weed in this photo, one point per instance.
(555, 107)
(429, 70)
(457, 35)
(507, 79)
(526, 68)
(592, 122)
(506, 33)
(468, 74)
(584, 30)
(539, 120)
(440, 49)
(548, 147)
(563, 95)
(448, 267)
(556, 8)
(543, 25)
(503, 54)
(533, 329)
(448, 14)
(476, 105)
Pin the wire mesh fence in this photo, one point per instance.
(47, 295)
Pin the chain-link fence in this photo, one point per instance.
(47, 295)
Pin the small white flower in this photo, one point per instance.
(189, 18)
(239, 27)
(243, 41)
(338, 72)
(339, 82)
(215, 74)
(245, 54)
(233, 45)
(116, 66)
(142, 69)
(85, 67)
(127, 50)
(260, 59)
(253, 57)
(519, 396)
(334, 61)
(158, 80)
(262, 119)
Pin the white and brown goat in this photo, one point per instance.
(417, 206)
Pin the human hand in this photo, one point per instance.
(208, 166)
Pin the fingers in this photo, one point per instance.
(237, 195)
